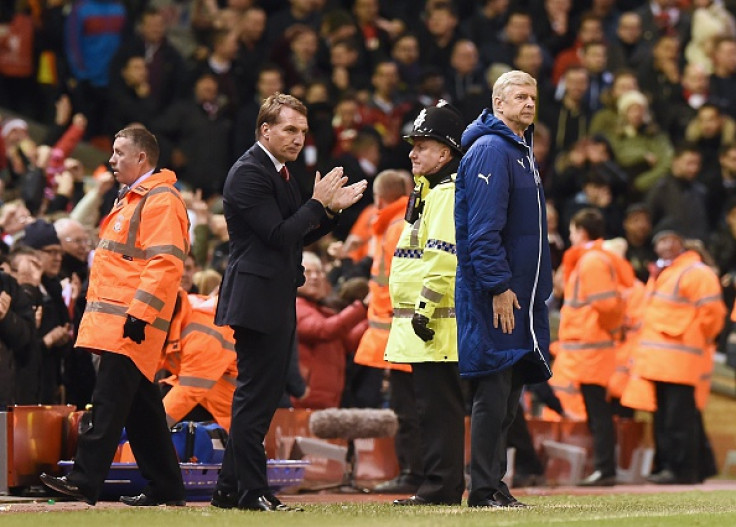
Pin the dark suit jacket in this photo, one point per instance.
(268, 227)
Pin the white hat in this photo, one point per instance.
(13, 124)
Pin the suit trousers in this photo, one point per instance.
(404, 403)
(676, 430)
(263, 363)
(527, 461)
(600, 424)
(441, 410)
(123, 397)
(495, 401)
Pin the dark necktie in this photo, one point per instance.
(284, 173)
(123, 191)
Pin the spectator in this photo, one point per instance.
(659, 77)
(591, 30)
(325, 338)
(131, 100)
(594, 58)
(664, 17)
(374, 40)
(199, 132)
(93, 34)
(517, 31)
(348, 73)
(639, 147)
(17, 338)
(710, 130)
(606, 118)
(465, 76)
(553, 27)
(639, 250)
(270, 80)
(686, 102)
(723, 78)
(678, 199)
(297, 56)
(438, 35)
(487, 22)
(569, 120)
(710, 20)
(252, 50)
(163, 62)
(55, 330)
(405, 53)
(628, 49)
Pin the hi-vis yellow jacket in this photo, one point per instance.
(422, 279)
(201, 358)
(136, 271)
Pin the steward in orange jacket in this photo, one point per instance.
(683, 315)
(133, 284)
(136, 271)
(590, 320)
(201, 359)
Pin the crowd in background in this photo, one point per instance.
(636, 118)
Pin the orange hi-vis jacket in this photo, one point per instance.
(362, 230)
(566, 389)
(593, 312)
(634, 297)
(683, 315)
(386, 229)
(136, 270)
(201, 358)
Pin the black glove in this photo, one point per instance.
(134, 329)
(419, 323)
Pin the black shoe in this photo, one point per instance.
(144, 500)
(414, 500)
(64, 486)
(597, 479)
(400, 485)
(489, 503)
(260, 503)
(277, 505)
(224, 500)
(507, 500)
(664, 477)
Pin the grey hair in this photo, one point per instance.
(507, 80)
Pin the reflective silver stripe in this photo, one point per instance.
(122, 311)
(668, 346)
(173, 362)
(570, 388)
(140, 254)
(708, 300)
(440, 312)
(675, 299)
(128, 248)
(230, 379)
(149, 299)
(432, 296)
(195, 382)
(212, 332)
(414, 233)
(381, 278)
(581, 346)
(379, 325)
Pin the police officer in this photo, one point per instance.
(422, 285)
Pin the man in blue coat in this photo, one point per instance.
(503, 277)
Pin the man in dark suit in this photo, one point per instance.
(268, 226)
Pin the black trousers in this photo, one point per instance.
(441, 409)
(676, 430)
(600, 424)
(495, 401)
(263, 363)
(526, 461)
(123, 397)
(408, 438)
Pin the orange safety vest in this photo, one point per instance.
(201, 358)
(362, 230)
(592, 313)
(684, 313)
(386, 232)
(136, 271)
(634, 298)
(566, 389)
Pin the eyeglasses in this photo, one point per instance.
(78, 241)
